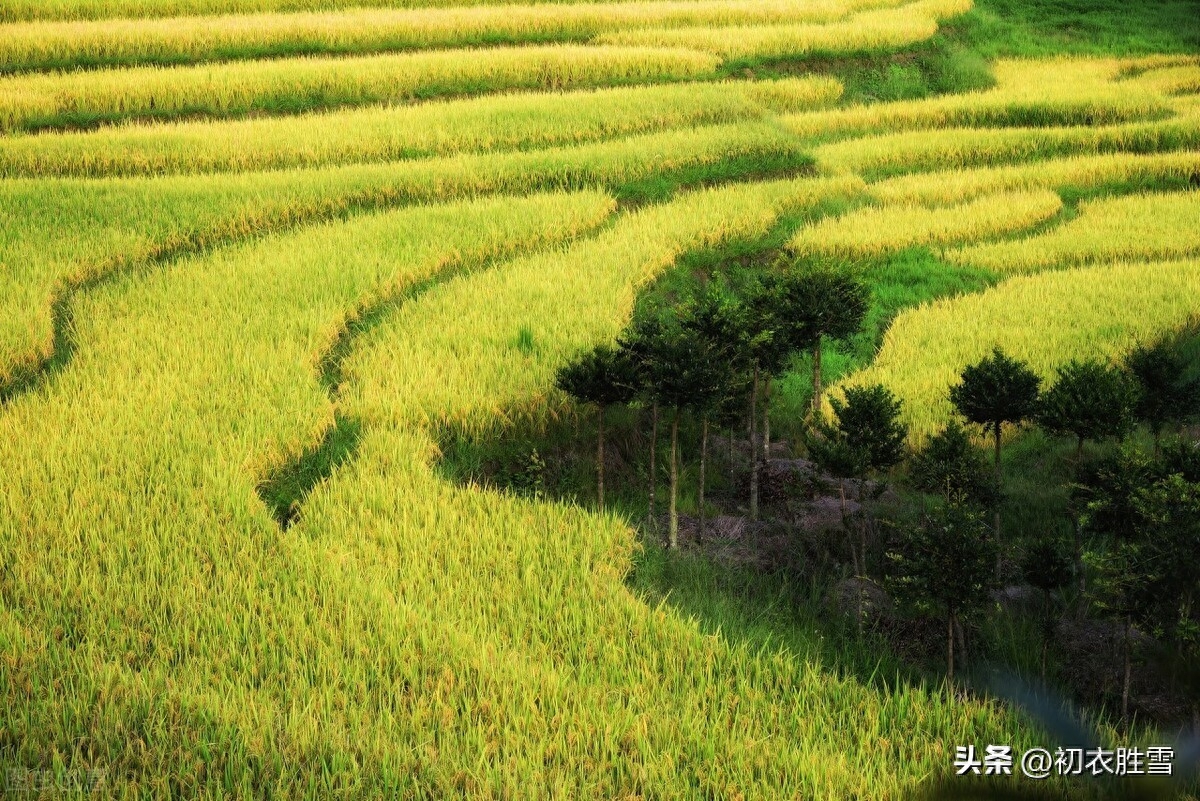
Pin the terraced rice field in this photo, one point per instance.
(201, 201)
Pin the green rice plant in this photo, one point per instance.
(1044, 319)
(187, 40)
(1031, 92)
(943, 149)
(32, 102)
(117, 224)
(1075, 172)
(873, 231)
(886, 29)
(1146, 227)
(506, 122)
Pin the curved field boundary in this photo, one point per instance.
(1033, 92)
(1044, 319)
(887, 29)
(1077, 172)
(890, 154)
(487, 124)
(38, 101)
(873, 232)
(1149, 227)
(190, 40)
(123, 223)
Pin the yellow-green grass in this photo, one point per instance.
(942, 149)
(1179, 79)
(405, 637)
(886, 29)
(506, 122)
(873, 232)
(116, 223)
(288, 85)
(1054, 91)
(39, 45)
(1149, 227)
(1045, 319)
(1076, 172)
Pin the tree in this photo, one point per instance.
(603, 376)
(636, 345)
(991, 393)
(944, 565)
(1166, 396)
(866, 435)
(712, 321)
(1089, 400)
(1170, 606)
(1047, 568)
(683, 368)
(951, 465)
(823, 302)
(762, 348)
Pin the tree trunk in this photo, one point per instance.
(653, 448)
(703, 464)
(1126, 681)
(862, 528)
(816, 377)
(600, 460)
(950, 648)
(996, 520)
(1078, 452)
(1157, 441)
(731, 457)
(766, 451)
(674, 529)
(753, 448)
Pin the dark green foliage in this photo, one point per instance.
(952, 466)
(1089, 400)
(866, 435)
(1047, 565)
(1106, 492)
(604, 375)
(996, 391)
(944, 565)
(1167, 396)
(828, 303)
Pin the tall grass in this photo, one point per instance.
(1044, 319)
(506, 122)
(124, 42)
(31, 102)
(873, 232)
(1149, 227)
(1075, 172)
(1030, 92)
(119, 223)
(886, 29)
(889, 154)
(1179, 79)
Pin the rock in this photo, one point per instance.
(1018, 598)
(851, 595)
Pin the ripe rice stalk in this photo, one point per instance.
(1075, 172)
(885, 29)
(1028, 92)
(943, 149)
(872, 232)
(189, 40)
(1143, 227)
(120, 223)
(487, 124)
(33, 102)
